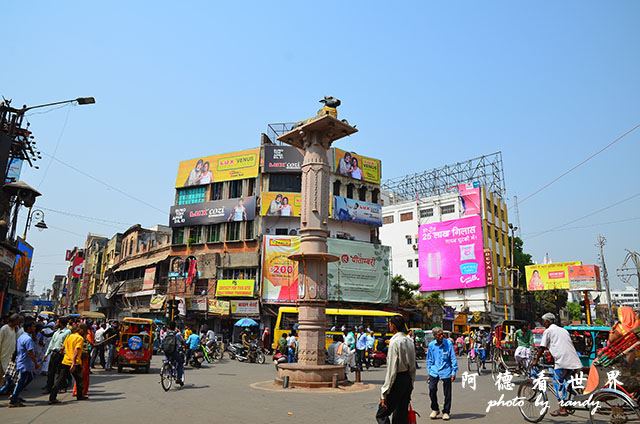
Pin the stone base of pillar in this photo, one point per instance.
(310, 376)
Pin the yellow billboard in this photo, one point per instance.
(275, 203)
(235, 288)
(549, 276)
(216, 168)
(356, 166)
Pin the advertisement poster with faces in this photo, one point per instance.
(451, 255)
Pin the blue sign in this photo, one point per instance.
(42, 303)
(448, 314)
(356, 211)
(134, 343)
(13, 170)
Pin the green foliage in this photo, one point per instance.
(435, 299)
(520, 260)
(599, 322)
(550, 301)
(404, 288)
(574, 311)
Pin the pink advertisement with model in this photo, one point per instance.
(451, 255)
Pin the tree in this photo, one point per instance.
(404, 288)
(520, 261)
(550, 301)
(574, 311)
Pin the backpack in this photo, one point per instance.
(169, 343)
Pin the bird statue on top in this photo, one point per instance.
(330, 108)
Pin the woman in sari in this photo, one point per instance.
(627, 321)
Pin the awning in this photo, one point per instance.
(142, 262)
(141, 293)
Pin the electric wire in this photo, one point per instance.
(88, 218)
(578, 165)
(55, 150)
(592, 225)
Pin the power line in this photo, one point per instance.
(580, 164)
(585, 216)
(55, 150)
(66, 231)
(88, 218)
(588, 226)
(105, 184)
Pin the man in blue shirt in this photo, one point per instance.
(193, 342)
(361, 348)
(441, 365)
(26, 362)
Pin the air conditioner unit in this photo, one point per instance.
(267, 230)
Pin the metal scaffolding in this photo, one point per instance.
(276, 130)
(486, 170)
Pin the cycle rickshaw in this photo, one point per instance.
(503, 351)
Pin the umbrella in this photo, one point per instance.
(246, 322)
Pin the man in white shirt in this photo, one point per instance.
(558, 341)
(292, 344)
(98, 350)
(401, 374)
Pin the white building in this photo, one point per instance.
(626, 297)
(401, 221)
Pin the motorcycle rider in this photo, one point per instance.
(246, 343)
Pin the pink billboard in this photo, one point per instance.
(471, 201)
(451, 255)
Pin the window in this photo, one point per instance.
(285, 182)
(130, 247)
(447, 209)
(387, 219)
(178, 236)
(409, 263)
(251, 186)
(426, 213)
(239, 274)
(235, 189)
(214, 233)
(407, 216)
(336, 188)
(375, 196)
(350, 188)
(282, 231)
(249, 230)
(195, 234)
(408, 239)
(233, 231)
(216, 191)
(191, 195)
(362, 194)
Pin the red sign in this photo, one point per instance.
(556, 274)
(67, 256)
(488, 266)
(78, 265)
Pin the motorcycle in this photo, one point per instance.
(279, 358)
(199, 356)
(255, 354)
(214, 349)
(420, 351)
(378, 358)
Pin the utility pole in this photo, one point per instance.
(605, 276)
(627, 271)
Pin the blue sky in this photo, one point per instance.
(546, 83)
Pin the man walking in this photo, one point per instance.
(54, 352)
(8, 339)
(111, 339)
(26, 362)
(71, 364)
(361, 348)
(400, 376)
(441, 365)
(98, 348)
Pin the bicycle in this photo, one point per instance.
(169, 373)
(474, 358)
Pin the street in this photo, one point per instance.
(230, 391)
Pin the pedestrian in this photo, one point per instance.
(54, 352)
(8, 339)
(111, 339)
(371, 346)
(350, 339)
(292, 344)
(26, 362)
(400, 376)
(266, 340)
(282, 344)
(361, 348)
(71, 364)
(98, 348)
(442, 365)
(460, 344)
(86, 370)
(344, 356)
(333, 347)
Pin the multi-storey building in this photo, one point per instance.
(92, 270)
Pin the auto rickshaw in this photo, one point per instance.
(136, 344)
(588, 340)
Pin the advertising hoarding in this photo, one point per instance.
(548, 276)
(219, 307)
(584, 277)
(471, 201)
(197, 304)
(217, 168)
(235, 288)
(275, 203)
(361, 275)
(451, 255)
(357, 167)
(244, 307)
(214, 212)
(149, 278)
(157, 301)
(282, 159)
(7, 257)
(14, 169)
(356, 211)
(22, 265)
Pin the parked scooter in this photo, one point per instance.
(279, 358)
(378, 358)
(239, 352)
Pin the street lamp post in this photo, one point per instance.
(40, 225)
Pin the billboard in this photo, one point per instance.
(361, 275)
(584, 277)
(451, 255)
(214, 212)
(282, 159)
(235, 288)
(22, 265)
(219, 307)
(471, 201)
(149, 278)
(356, 211)
(244, 307)
(548, 276)
(275, 203)
(357, 167)
(216, 168)
(13, 170)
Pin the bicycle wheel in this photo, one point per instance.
(470, 363)
(614, 407)
(534, 404)
(496, 368)
(166, 377)
(217, 354)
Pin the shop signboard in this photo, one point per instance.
(244, 307)
(282, 159)
(549, 276)
(488, 267)
(355, 166)
(451, 255)
(157, 301)
(275, 203)
(7, 257)
(584, 277)
(197, 304)
(182, 306)
(357, 211)
(217, 168)
(219, 307)
(235, 288)
(214, 212)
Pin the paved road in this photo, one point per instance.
(225, 392)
